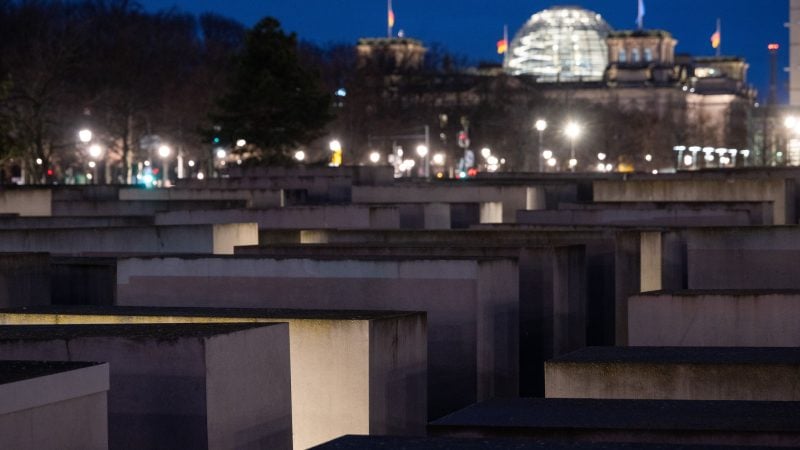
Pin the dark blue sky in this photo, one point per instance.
(472, 27)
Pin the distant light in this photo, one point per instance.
(790, 122)
(375, 157)
(709, 157)
(655, 172)
(601, 156)
(648, 157)
(601, 167)
(694, 149)
(92, 164)
(692, 90)
(342, 92)
(200, 176)
(541, 125)
(502, 160)
(238, 161)
(221, 153)
(164, 151)
(573, 162)
(688, 160)
(89, 176)
(486, 152)
(572, 130)
(300, 155)
(773, 47)
(547, 154)
(439, 175)
(148, 179)
(335, 146)
(685, 88)
(439, 159)
(493, 161)
(191, 163)
(95, 151)
(39, 161)
(147, 163)
(609, 167)
(552, 162)
(85, 136)
(462, 174)
(679, 148)
(241, 143)
(745, 153)
(422, 151)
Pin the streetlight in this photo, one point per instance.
(375, 157)
(572, 130)
(602, 156)
(85, 136)
(486, 152)
(94, 151)
(423, 152)
(547, 155)
(300, 155)
(164, 151)
(541, 126)
(241, 143)
(439, 159)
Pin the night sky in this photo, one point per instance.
(472, 27)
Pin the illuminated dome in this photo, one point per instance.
(564, 43)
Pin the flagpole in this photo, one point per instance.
(505, 38)
(388, 19)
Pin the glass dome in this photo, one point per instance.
(564, 43)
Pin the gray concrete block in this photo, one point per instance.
(676, 373)
(353, 372)
(178, 386)
(54, 405)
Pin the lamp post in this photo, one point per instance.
(541, 126)
(423, 151)
(572, 130)
(95, 151)
(164, 152)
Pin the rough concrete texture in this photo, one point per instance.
(511, 198)
(191, 239)
(715, 319)
(24, 279)
(779, 191)
(743, 258)
(472, 306)
(353, 372)
(26, 202)
(676, 373)
(179, 386)
(324, 216)
(53, 405)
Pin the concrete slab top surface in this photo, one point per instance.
(162, 332)
(675, 415)
(436, 443)
(722, 293)
(237, 313)
(683, 355)
(13, 371)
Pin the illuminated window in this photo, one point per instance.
(622, 56)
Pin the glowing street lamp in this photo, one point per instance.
(486, 152)
(85, 136)
(164, 152)
(547, 155)
(541, 126)
(375, 157)
(221, 153)
(439, 159)
(241, 143)
(300, 155)
(573, 131)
